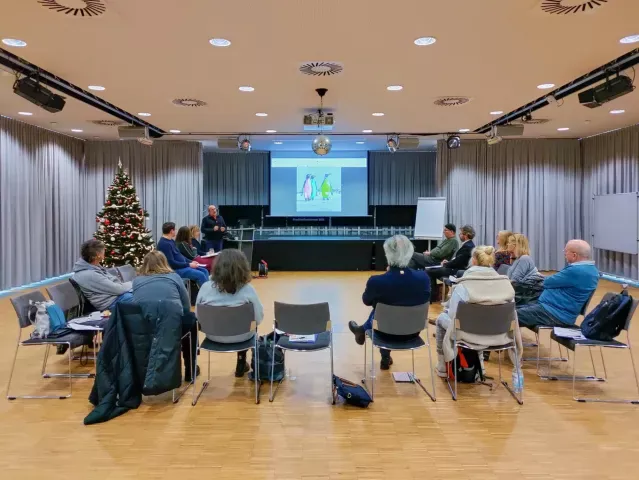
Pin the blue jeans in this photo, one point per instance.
(535, 314)
(215, 244)
(200, 274)
(125, 297)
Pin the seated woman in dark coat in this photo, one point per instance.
(156, 280)
(183, 241)
(200, 246)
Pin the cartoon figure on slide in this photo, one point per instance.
(307, 189)
(314, 188)
(326, 189)
(310, 189)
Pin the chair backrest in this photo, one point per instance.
(633, 308)
(480, 319)
(65, 297)
(400, 320)
(113, 271)
(127, 273)
(308, 319)
(85, 306)
(503, 269)
(584, 309)
(226, 321)
(21, 306)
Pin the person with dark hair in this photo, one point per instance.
(443, 251)
(460, 261)
(230, 286)
(183, 267)
(186, 248)
(100, 288)
(213, 228)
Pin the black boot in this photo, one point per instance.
(242, 366)
(360, 334)
(386, 361)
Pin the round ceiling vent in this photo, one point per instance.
(77, 8)
(107, 123)
(188, 102)
(451, 101)
(321, 69)
(564, 7)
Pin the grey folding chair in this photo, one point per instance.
(226, 322)
(113, 271)
(572, 344)
(537, 329)
(309, 319)
(127, 273)
(503, 269)
(21, 306)
(392, 320)
(476, 319)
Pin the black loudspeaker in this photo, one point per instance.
(31, 90)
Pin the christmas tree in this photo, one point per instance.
(121, 224)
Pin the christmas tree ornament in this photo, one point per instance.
(106, 221)
(113, 239)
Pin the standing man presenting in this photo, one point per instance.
(213, 228)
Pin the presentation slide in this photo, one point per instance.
(304, 186)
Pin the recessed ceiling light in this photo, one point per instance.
(360, 143)
(464, 130)
(378, 114)
(563, 129)
(261, 114)
(367, 131)
(98, 88)
(144, 114)
(278, 143)
(617, 112)
(394, 88)
(246, 88)
(423, 41)
(14, 42)
(271, 131)
(28, 114)
(220, 42)
(175, 131)
(76, 130)
(496, 112)
(546, 86)
(630, 39)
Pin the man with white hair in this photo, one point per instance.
(399, 286)
(213, 228)
(566, 292)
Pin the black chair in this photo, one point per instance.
(572, 344)
(392, 320)
(86, 307)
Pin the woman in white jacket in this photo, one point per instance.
(480, 284)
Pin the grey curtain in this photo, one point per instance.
(40, 203)
(167, 177)
(527, 186)
(611, 165)
(236, 178)
(400, 178)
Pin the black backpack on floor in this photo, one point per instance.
(608, 319)
(468, 366)
(265, 347)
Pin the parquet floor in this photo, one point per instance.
(403, 435)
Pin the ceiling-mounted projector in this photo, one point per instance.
(30, 89)
(141, 134)
(607, 91)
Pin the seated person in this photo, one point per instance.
(565, 293)
(460, 260)
(399, 286)
(479, 284)
(102, 290)
(502, 255)
(183, 267)
(523, 274)
(156, 280)
(186, 248)
(230, 286)
(200, 246)
(443, 251)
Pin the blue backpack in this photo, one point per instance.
(56, 318)
(607, 319)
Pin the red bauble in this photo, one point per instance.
(132, 236)
(141, 212)
(112, 252)
(106, 221)
(108, 202)
(97, 219)
(128, 220)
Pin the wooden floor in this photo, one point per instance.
(403, 435)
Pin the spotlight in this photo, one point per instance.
(453, 142)
(322, 145)
(392, 143)
(527, 117)
(244, 144)
(493, 138)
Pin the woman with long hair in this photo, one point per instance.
(502, 255)
(230, 286)
(184, 243)
(523, 273)
(200, 246)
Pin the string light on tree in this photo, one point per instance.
(121, 224)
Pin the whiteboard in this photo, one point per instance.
(429, 221)
(615, 225)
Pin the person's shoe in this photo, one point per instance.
(360, 334)
(188, 378)
(441, 369)
(385, 363)
(241, 368)
(486, 355)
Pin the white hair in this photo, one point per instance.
(399, 251)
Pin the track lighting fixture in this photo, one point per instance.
(244, 144)
(453, 142)
(392, 143)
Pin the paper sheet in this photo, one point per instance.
(573, 333)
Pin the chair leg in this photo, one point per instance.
(588, 378)
(193, 372)
(256, 373)
(453, 391)
(204, 384)
(332, 370)
(520, 398)
(373, 364)
(272, 394)
(418, 381)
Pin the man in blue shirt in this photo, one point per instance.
(177, 261)
(565, 293)
(399, 286)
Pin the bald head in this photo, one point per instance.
(577, 251)
(213, 210)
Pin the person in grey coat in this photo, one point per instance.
(100, 288)
(523, 274)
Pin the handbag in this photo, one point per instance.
(265, 365)
(352, 393)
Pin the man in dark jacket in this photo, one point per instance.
(140, 355)
(213, 228)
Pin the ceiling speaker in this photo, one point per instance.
(227, 143)
(408, 143)
(514, 130)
